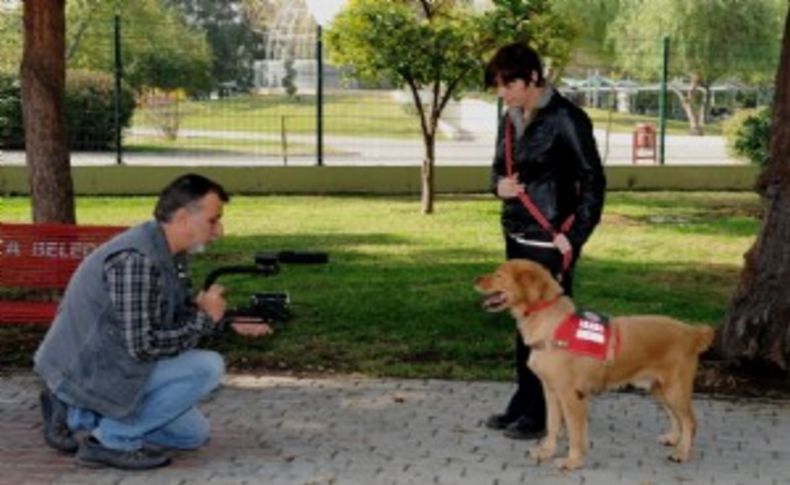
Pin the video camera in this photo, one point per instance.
(267, 307)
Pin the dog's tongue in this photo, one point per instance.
(494, 300)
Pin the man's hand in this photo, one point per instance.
(562, 243)
(251, 329)
(508, 187)
(212, 302)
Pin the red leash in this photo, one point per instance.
(567, 258)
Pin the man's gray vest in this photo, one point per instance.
(84, 355)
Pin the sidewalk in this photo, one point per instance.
(346, 430)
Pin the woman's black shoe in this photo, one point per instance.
(500, 421)
(525, 428)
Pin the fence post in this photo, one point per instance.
(319, 48)
(118, 74)
(283, 140)
(662, 100)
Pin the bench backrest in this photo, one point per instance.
(46, 255)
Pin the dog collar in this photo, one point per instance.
(541, 305)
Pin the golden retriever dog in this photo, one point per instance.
(652, 352)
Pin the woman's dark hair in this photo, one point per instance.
(514, 61)
(184, 191)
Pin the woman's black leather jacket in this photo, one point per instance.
(557, 160)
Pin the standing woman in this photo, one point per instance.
(548, 173)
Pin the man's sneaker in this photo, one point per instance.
(525, 428)
(56, 431)
(93, 454)
(499, 421)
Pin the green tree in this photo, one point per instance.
(540, 23)
(10, 37)
(234, 43)
(159, 49)
(591, 20)
(710, 40)
(436, 49)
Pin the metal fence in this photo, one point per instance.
(288, 111)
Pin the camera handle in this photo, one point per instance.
(268, 308)
(264, 270)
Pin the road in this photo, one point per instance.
(366, 151)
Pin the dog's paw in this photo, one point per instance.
(569, 464)
(541, 453)
(678, 456)
(669, 439)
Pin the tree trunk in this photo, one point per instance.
(704, 114)
(687, 101)
(756, 330)
(426, 174)
(43, 76)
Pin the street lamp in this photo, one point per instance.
(323, 11)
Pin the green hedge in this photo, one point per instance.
(90, 110)
(748, 134)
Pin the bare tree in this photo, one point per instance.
(43, 77)
(756, 330)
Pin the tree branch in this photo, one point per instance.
(81, 28)
(415, 92)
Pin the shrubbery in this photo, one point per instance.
(748, 134)
(89, 106)
(11, 131)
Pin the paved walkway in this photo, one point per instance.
(282, 430)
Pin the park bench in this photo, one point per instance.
(36, 263)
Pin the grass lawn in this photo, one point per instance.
(353, 113)
(397, 298)
(347, 113)
(206, 146)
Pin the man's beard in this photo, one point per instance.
(196, 248)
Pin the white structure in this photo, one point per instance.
(293, 36)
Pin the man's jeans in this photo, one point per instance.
(167, 415)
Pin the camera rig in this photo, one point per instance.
(266, 307)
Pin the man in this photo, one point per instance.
(549, 176)
(119, 360)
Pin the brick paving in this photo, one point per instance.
(347, 430)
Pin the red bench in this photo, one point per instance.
(36, 263)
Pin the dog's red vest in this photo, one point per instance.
(586, 333)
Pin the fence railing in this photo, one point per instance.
(268, 115)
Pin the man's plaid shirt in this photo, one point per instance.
(135, 289)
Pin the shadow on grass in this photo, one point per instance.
(416, 315)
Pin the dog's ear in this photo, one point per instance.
(528, 281)
(538, 285)
(524, 279)
(549, 288)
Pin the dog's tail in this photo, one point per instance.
(703, 337)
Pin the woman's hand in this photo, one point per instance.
(508, 187)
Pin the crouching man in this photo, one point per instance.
(119, 360)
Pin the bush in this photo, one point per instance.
(89, 106)
(90, 109)
(11, 131)
(748, 134)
